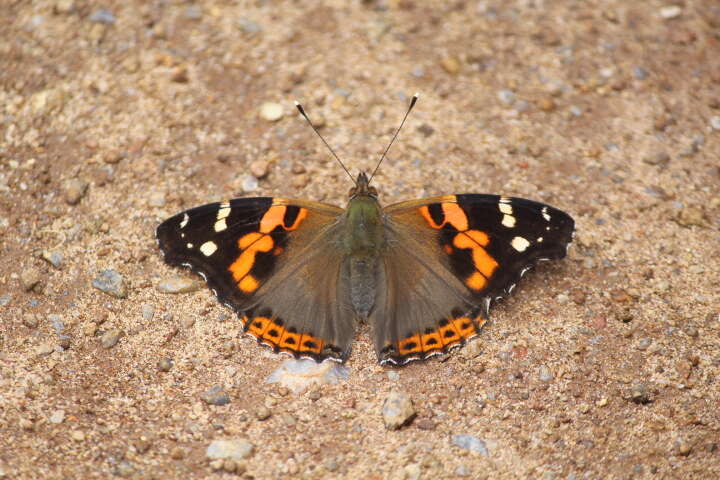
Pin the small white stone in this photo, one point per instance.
(715, 122)
(670, 12)
(272, 112)
(57, 416)
(235, 449)
(250, 184)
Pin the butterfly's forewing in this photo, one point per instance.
(271, 260)
(448, 257)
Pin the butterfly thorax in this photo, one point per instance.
(362, 242)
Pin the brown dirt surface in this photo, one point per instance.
(116, 115)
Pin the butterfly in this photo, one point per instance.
(302, 274)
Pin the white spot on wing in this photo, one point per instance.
(540, 239)
(520, 244)
(223, 213)
(508, 220)
(505, 208)
(190, 245)
(208, 248)
(185, 220)
(220, 225)
(545, 214)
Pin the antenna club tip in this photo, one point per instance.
(297, 104)
(417, 95)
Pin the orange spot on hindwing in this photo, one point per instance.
(448, 333)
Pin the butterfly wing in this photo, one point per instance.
(447, 258)
(274, 262)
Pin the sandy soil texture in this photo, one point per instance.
(116, 115)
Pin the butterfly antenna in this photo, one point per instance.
(302, 112)
(412, 104)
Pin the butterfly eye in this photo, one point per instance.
(352, 192)
(373, 191)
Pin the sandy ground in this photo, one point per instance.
(117, 115)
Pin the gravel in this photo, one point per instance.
(216, 395)
(112, 283)
(234, 449)
(397, 410)
(471, 443)
(178, 284)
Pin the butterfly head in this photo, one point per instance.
(362, 187)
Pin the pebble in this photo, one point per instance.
(178, 285)
(102, 16)
(671, 11)
(660, 158)
(425, 130)
(263, 413)
(639, 394)
(576, 111)
(451, 65)
(148, 312)
(250, 184)
(30, 279)
(187, 322)
(124, 469)
(397, 410)
(462, 471)
(472, 350)
(157, 199)
(546, 104)
(110, 282)
(412, 471)
(177, 453)
(30, 320)
(272, 112)
(684, 448)
(64, 6)
(545, 375)
(164, 364)
(53, 258)
(259, 168)
(425, 424)
(64, 342)
(299, 181)
(234, 449)
(111, 337)
(5, 299)
(77, 435)
(45, 349)
(639, 73)
(298, 375)
(180, 75)
(644, 344)
(74, 190)
(691, 216)
(216, 396)
(506, 96)
(470, 442)
(57, 417)
(249, 27)
(715, 122)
